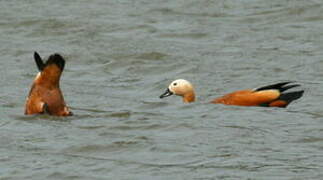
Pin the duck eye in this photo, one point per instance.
(175, 84)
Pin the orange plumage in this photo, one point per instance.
(274, 95)
(45, 95)
(271, 96)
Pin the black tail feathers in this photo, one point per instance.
(288, 97)
(39, 61)
(291, 96)
(281, 87)
(53, 59)
(56, 59)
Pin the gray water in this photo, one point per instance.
(121, 55)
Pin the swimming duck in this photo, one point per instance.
(273, 95)
(45, 95)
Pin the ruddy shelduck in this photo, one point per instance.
(273, 95)
(45, 95)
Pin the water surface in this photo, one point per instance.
(121, 55)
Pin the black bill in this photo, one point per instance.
(165, 94)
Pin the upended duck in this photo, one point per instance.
(45, 95)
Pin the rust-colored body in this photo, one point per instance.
(252, 98)
(45, 95)
(273, 95)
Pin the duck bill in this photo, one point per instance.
(166, 94)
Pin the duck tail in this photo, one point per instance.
(56, 59)
(39, 62)
(291, 96)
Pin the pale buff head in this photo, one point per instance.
(182, 88)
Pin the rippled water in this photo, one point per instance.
(121, 55)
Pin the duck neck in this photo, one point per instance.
(189, 97)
